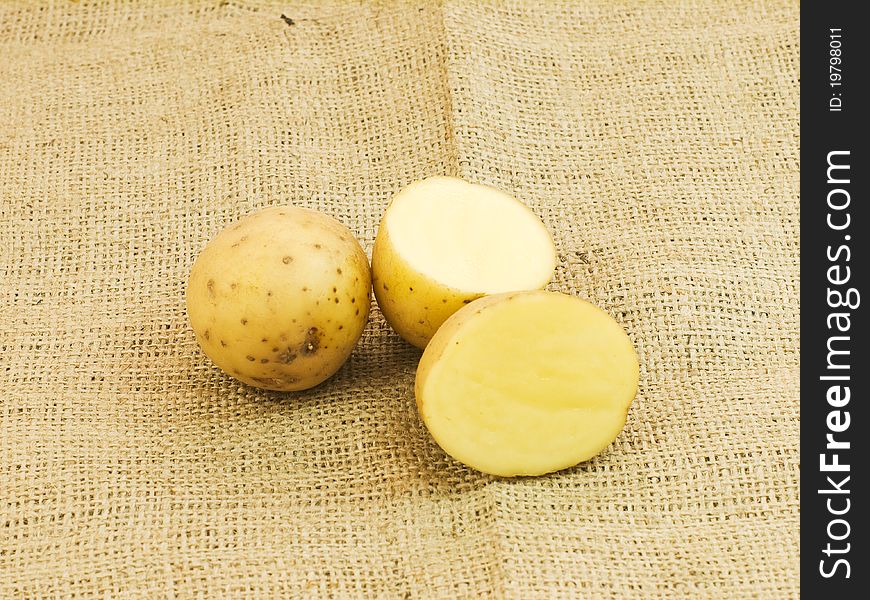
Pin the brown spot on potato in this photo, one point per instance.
(318, 246)
(210, 286)
(223, 343)
(234, 285)
(265, 339)
(410, 289)
(264, 360)
(356, 312)
(466, 301)
(334, 289)
(341, 327)
(304, 288)
(287, 357)
(353, 300)
(274, 381)
(312, 341)
(421, 321)
(207, 334)
(250, 358)
(339, 269)
(244, 321)
(336, 300)
(287, 260)
(444, 300)
(384, 285)
(269, 293)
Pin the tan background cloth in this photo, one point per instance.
(659, 142)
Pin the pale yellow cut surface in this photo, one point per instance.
(444, 242)
(526, 383)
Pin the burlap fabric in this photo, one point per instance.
(659, 142)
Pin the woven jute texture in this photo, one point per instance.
(658, 142)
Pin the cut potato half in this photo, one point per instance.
(526, 383)
(444, 242)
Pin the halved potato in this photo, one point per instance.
(444, 242)
(526, 383)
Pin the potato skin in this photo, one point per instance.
(279, 299)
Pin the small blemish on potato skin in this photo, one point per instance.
(250, 358)
(275, 349)
(312, 341)
(210, 286)
(287, 260)
(334, 289)
(264, 360)
(318, 246)
(207, 334)
(234, 286)
(223, 343)
(353, 300)
(340, 327)
(338, 271)
(410, 289)
(287, 357)
(244, 321)
(386, 289)
(356, 312)
(466, 301)
(444, 300)
(336, 300)
(269, 293)
(265, 339)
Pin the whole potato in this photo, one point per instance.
(279, 299)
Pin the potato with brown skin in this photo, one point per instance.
(279, 299)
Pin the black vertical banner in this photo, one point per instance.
(834, 368)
